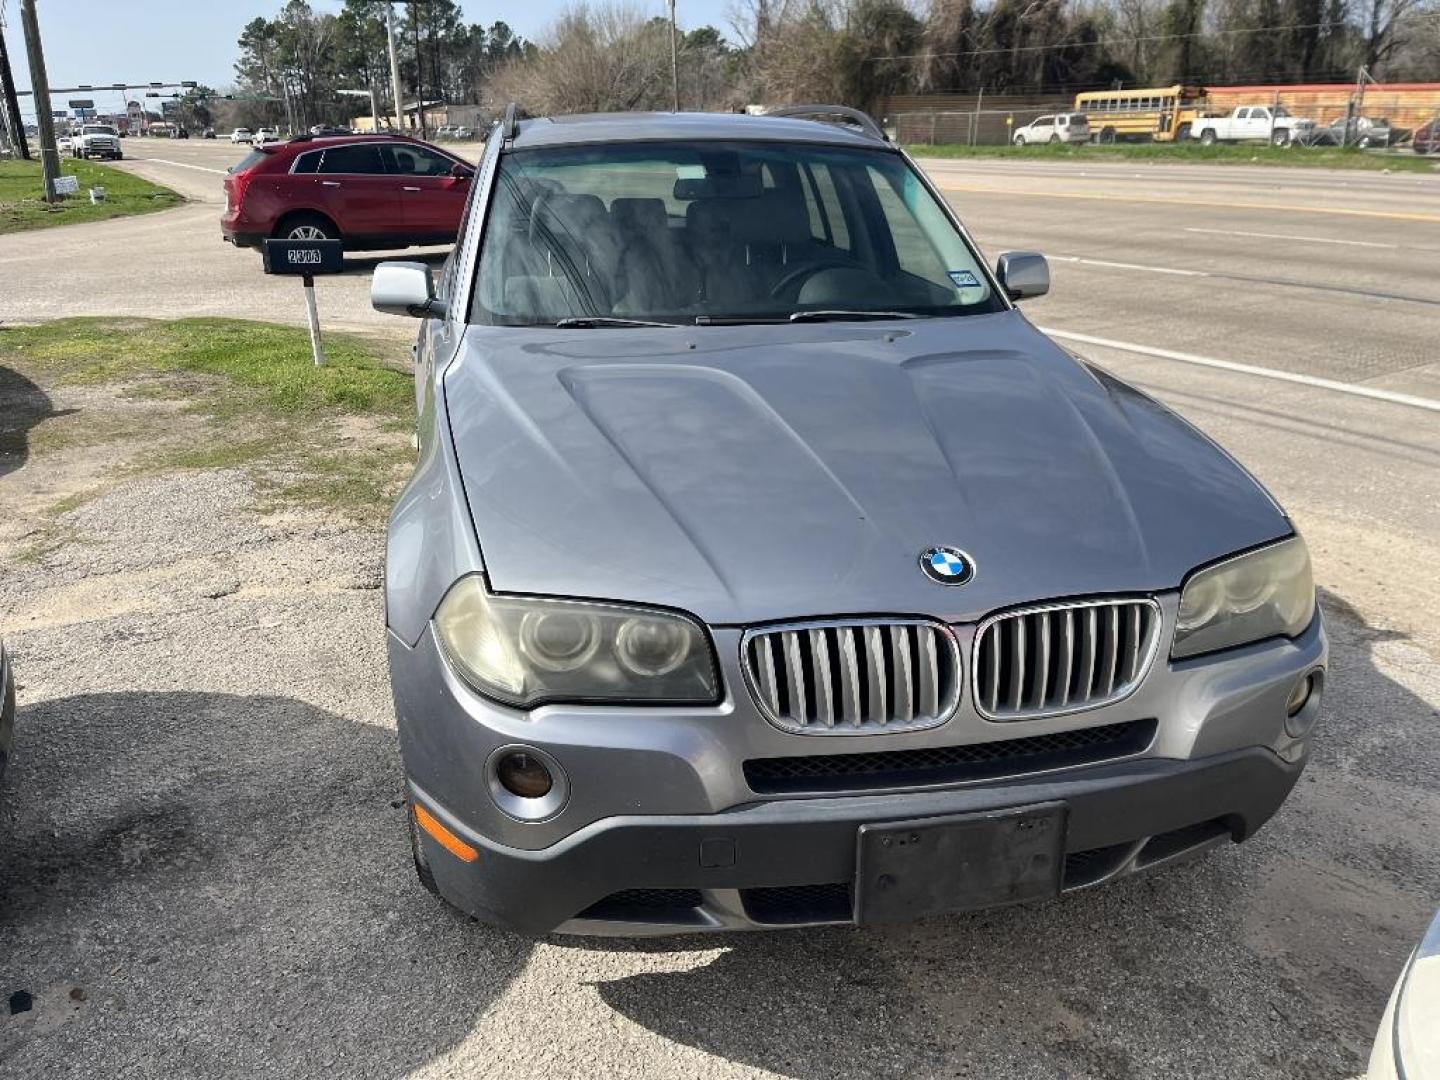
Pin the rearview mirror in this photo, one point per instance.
(405, 288)
(1023, 274)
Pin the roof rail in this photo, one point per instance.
(834, 114)
(311, 137)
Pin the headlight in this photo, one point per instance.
(525, 651)
(1265, 593)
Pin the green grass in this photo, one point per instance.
(23, 207)
(331, 438)
(1332, 157)
(271, 362)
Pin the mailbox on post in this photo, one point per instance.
(305, 259)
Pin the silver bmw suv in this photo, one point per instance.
(764, 566)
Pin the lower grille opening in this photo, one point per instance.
(799, 903)
(1087, 867)
(1178, 841)
(646, 905)
(949, 764)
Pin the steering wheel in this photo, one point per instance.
(805, 271)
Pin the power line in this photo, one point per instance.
(1109, 41)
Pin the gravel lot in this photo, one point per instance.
(203, 869)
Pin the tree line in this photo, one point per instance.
(608, 55)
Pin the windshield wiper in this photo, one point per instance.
(581, 322)
(839, 314)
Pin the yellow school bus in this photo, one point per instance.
(1158, 114)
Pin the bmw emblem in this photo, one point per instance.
(947, 565)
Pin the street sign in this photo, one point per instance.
(81, 103)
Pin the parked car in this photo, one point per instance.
(764, 566)
(64, 143)
(182, 133)
(1362, 132)
(369, 191)
(209, 133)
(1426, 139)
(266, 135)
(242, 135)
(1062, 127)
(96, 140)
(1271, 123)
(1407, 1046)
(7, 709)
(464, 134)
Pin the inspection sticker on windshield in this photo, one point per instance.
(964, 279)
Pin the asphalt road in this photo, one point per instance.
(204, 843)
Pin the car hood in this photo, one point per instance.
(769, 472)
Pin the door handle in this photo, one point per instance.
(329, 183)
(408, 188)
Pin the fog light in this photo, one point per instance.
(524, 775)
(1302, 708)
(1299, 696)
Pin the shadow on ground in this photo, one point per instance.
(23, 406)
(205, 884)
(1269, 960)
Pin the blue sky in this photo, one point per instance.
(105, 41)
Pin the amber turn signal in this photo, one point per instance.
(443, 836)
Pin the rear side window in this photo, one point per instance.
(307, 163)
(249, 161)
(362, 159)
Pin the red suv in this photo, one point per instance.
(376, 191)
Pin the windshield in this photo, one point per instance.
(718, 232)
(97, 129)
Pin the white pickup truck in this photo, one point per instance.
(1272, 123)
(96, 140)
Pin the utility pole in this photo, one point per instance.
(394, 67)
(12, 103)
(674, 60)
(419, 78)
(40, 84)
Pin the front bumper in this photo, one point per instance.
(663, 810)
(792, 862)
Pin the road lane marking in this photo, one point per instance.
(180, 164)
(1127, 266)
(1287, 236)
(1251, 279)
(1315, 381)
(1392, 215)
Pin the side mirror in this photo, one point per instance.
(1024, 274)
(405, 288)
(461, 172)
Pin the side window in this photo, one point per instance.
(1242, 114)
(363, 159)
(417, 161)
(830, 206)
(307, 163)
(1044, 120)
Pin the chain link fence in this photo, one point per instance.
(1369, 121)
(978, 127)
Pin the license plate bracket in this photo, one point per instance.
(963, 862)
